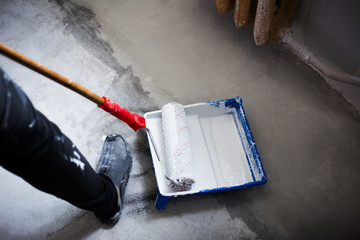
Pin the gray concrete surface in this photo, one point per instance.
(143, 54)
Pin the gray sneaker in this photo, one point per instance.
(115, 163)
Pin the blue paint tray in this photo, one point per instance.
(224, 153)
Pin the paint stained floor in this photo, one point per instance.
(144, 54)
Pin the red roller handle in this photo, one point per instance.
(133, 120)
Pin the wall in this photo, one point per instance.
(330, 28)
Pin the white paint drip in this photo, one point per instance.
(249, 147)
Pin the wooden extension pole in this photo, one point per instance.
(18, 57)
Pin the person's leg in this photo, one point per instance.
(35, 149)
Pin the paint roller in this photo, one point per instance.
(177, 167)
(177, 147)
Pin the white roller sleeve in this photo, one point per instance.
(177, 141)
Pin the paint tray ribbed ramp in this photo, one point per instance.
(224, 154)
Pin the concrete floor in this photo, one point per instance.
(143, 54)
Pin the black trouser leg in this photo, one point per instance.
(35, 149)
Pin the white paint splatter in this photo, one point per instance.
(31, 125)
(76, 155)
(60, 138)
(77, 161)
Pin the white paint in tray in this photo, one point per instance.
(218, 156)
